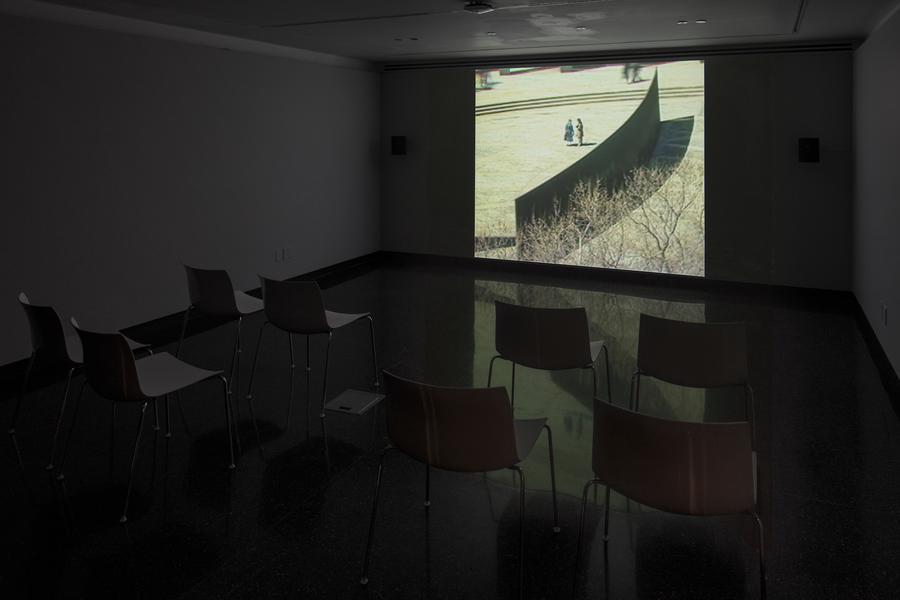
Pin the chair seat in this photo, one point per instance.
(527, 433)
(337, 320)
(162, 374)
(596, 347)
(76, 354)
(247, 304)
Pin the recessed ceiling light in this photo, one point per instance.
(681, 23)
(700, 21)
(581, 28)
(490, 33)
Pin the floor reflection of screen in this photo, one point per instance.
(593, 165)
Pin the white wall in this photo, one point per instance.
(876, 218)
(770, 219)
(123, 156)
(429, 194)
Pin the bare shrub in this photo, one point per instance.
(652, 221)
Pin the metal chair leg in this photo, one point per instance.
(521, 532)
(324, 399)
(184, 324)
(253, 420)
(287, 421)
(18, 451)
(364, 579)
(374, 354)
(590, 484)
(634, 396)
(22, 392)
(762, 556)
(594, 380)
(137, 443)
(291, 348)
(750, 410)
(237, 365)
(606, 517)
(112, 439)
(59, 418)
(62, 463)
(229, 420)
(491, 369)
(155, 415)
(252, 377)
(308, 397)
(609, 397)
(168, 417)
(427, 487)
(556, 528)
(512, 395)
(374, 424)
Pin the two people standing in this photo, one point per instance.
(574, 133)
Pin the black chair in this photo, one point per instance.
(466, 430)
(297, 307)
(549, 339)
(114, 374)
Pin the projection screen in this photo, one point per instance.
(592, 165)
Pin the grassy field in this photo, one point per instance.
(519, 146)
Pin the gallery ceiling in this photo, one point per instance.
(412, 30)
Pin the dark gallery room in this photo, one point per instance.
(421, 299)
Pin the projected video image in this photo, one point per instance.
(598, 165)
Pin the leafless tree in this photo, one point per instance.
(652, 221)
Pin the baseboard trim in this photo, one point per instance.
(889, 378)
(646, 281)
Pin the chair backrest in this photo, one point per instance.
(48, 340)
(675, 466)
(109, 365)
(693, 354)
(457, 429)
(543, 338)
(211, 292)
(294, 306)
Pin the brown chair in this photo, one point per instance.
(549, 339)
(700, 355)
(212, 294)
(114, 374)
(55, 353)
(702, 469)
(297, 307)
(459, 429)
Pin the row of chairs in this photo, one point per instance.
(650, 460)
(699, 469)
(697, 355)
(111, 369)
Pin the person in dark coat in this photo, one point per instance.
(579, 131)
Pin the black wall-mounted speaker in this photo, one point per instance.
(398, 145)
(808, 150)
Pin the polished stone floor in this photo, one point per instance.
(282, 525)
